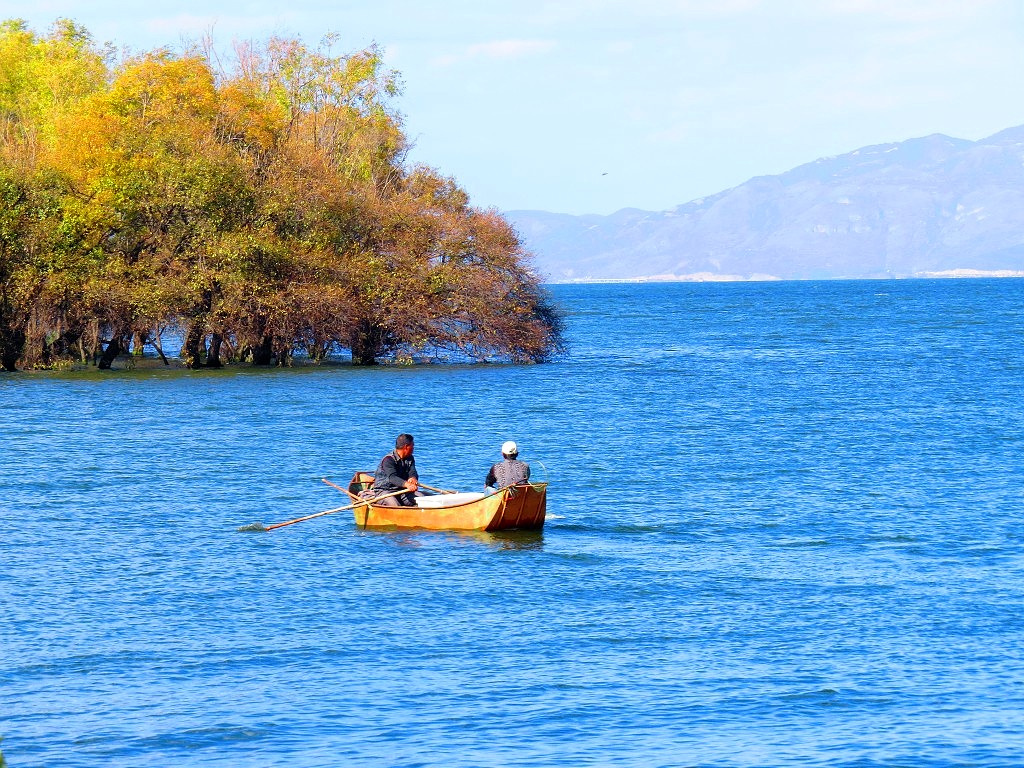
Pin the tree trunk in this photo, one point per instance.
(366, 343)
(95, 343)
(158, 345)
(110, 353)
(284, 356)
(65, 346)
(213, 354)
(317, 351)
(194, 346)
(264, 353)
(192, 350)
(12, 344)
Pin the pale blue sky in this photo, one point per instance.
(589, 106)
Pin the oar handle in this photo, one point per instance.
(334, 485)
(422, 485)
(339, 509)
(436, 490)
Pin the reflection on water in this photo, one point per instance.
(421, 537)
(510, 540)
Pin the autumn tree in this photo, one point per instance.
(42, 79)
(432, 275)
(258, 208)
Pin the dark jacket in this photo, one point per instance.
(392, 472)
(507, 472)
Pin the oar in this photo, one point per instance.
(334, 486)
(261, 527)
(429, 488)
(435, 490)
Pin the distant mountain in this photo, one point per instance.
(928, 206)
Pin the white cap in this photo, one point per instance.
(509, 448)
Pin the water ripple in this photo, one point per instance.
(785, 529)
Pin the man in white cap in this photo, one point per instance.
(508, 471)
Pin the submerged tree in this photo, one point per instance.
(42, 259)
(261, 208)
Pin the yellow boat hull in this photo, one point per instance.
(521, 507)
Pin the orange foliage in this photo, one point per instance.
(266, 208)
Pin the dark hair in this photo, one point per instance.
(403, 440)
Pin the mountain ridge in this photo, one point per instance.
(928, 206)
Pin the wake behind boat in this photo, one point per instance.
(518, 507)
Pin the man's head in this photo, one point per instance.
(509, 449)
(404, 445)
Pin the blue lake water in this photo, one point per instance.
(786, 527)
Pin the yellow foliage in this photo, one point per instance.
(267, 203)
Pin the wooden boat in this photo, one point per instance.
(519, 507)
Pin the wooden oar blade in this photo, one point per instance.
(253, 527)
(325, 512)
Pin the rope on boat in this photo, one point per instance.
(534, 485)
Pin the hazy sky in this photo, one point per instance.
(589, 106)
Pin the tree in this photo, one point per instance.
(261, 208)
(42, 79)
(13, 320)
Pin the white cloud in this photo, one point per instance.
(571, 10)
(707, 7)
(509, 49)
(496, 50)
(913, 11)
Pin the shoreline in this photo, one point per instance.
(707, 277)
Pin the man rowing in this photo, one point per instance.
(396, 471)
